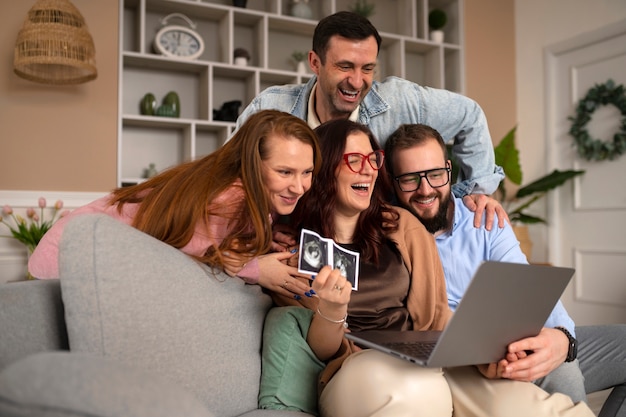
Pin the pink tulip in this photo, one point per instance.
(42, 202)
(36, 217)
(58, 205)
(30, 212)
(7, 210)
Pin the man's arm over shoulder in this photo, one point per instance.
(462, 119)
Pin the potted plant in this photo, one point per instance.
(507, 156)
(363, 8)
(241, 57)
(299, 57)
(437, 19)
(30, 229)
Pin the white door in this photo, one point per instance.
(588, 217)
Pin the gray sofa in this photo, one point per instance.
(132, 328)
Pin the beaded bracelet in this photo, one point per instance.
(343, 320)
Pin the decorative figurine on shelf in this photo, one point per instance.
(148, 105)
(242, 56)
(229, 111)
(170, 105)
(150, 172)
(301, 9)
(299, 58)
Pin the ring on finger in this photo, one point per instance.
(285, 284)
(338, 288)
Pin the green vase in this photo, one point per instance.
(148, 105)
(172, 101)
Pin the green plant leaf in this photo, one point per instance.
(526, 219)
(507, 156)
(548, 182)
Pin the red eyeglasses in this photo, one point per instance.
(356, 161)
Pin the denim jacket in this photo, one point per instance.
(396, 101)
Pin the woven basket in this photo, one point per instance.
(54, 45)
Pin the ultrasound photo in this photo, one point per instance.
(316, 251)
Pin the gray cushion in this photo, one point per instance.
(31, 319)
(275, 413)
(55, 384)
(133, 298)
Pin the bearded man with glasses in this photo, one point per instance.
(410, 182)
(562, 358)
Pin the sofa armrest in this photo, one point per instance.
(31, 319)
(133, 298)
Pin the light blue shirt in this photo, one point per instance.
(465, 247)
(396, 101)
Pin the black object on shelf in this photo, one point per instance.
(228, 112)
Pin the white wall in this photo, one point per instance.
(541, 23)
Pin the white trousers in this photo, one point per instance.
(374, 384)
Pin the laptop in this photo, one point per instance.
(504, 302)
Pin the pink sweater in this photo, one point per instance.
(44, 264)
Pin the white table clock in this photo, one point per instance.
(178, 41)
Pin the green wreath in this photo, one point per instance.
(595, 149)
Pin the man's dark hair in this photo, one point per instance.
(408, 136)
(348, 25)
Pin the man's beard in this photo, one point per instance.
(440, 220)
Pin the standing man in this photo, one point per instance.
(343, 59)
(416, 159)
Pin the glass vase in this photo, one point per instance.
(301, 9)
(29, 252)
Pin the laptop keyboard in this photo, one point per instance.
(417, 350)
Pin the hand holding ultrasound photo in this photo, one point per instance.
(316, 251)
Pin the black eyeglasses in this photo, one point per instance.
(437, 177)
(356, 161)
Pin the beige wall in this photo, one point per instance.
(65, 138)
(490, 61)
(60, 138)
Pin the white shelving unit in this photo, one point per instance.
(271, 34)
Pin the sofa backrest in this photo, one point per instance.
(138, 300)
(31, 319)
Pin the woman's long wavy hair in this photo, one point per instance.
(172, 203)
(315, 211)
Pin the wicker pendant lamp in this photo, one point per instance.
(54, 45)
